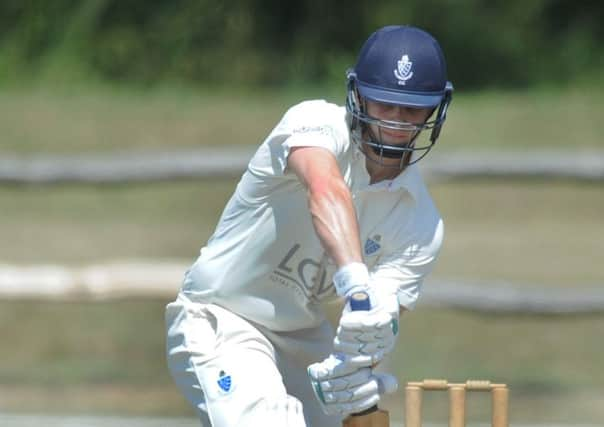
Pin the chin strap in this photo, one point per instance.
(390, 151)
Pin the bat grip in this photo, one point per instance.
(359, 301)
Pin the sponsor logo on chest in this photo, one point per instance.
(304, 275)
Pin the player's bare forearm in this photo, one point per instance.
(330, 203)
(335, 222)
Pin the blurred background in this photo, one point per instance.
(94, 241)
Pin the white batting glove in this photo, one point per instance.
(343, 394)
(365, 337)
(351, 278)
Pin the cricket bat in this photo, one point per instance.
(371, 417)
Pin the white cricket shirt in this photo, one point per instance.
(264, 260)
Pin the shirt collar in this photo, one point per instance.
(410, 179)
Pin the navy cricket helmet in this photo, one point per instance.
(403, 66)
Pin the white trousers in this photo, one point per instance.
(226, 367)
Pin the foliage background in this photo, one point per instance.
(511, 43)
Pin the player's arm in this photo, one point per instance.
(330, 203)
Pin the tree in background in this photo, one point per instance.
(498, 43)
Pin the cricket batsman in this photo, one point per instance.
(331, 203)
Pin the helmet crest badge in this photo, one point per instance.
(403, 71)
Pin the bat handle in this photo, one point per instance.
(360, 301)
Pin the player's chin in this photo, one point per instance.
(396, 140)
(392, 163)
(388, 162)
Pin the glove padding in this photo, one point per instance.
(365, 337)
(342, 388)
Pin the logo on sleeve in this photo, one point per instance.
(372, 245)
(224, 382)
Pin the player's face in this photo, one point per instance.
(396, 135)
(396, 113)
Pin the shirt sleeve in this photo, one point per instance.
(403, 269)
(308, 124)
